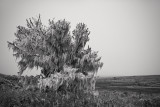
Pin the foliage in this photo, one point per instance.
(63, 59)
(27, 98)
(52, 47)
(131, 99)
(12, 97)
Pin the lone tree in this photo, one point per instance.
(52, 47)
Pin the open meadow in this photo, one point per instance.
(141, 84)
(134, 91)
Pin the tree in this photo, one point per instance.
(52, 47)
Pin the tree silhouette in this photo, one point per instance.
(52, 47)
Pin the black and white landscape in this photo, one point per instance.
(87, 53)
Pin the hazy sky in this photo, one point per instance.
(125, 32)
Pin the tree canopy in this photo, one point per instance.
(52, 47)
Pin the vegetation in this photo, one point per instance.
(52, 47)
(13, 96)
(141, 84)
(68, 66)
(69, 69)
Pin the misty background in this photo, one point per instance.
(125, 32)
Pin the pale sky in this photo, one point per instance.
(125, 32)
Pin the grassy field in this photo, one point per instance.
(142, 84)
(131, 91)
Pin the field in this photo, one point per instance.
(136, 91)
(141, 84)
(131, 91)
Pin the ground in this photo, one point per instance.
(136, 91)
(128, 91)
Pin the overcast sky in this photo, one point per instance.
(125, 32)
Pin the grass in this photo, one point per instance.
(141, 84)
(134, 91)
